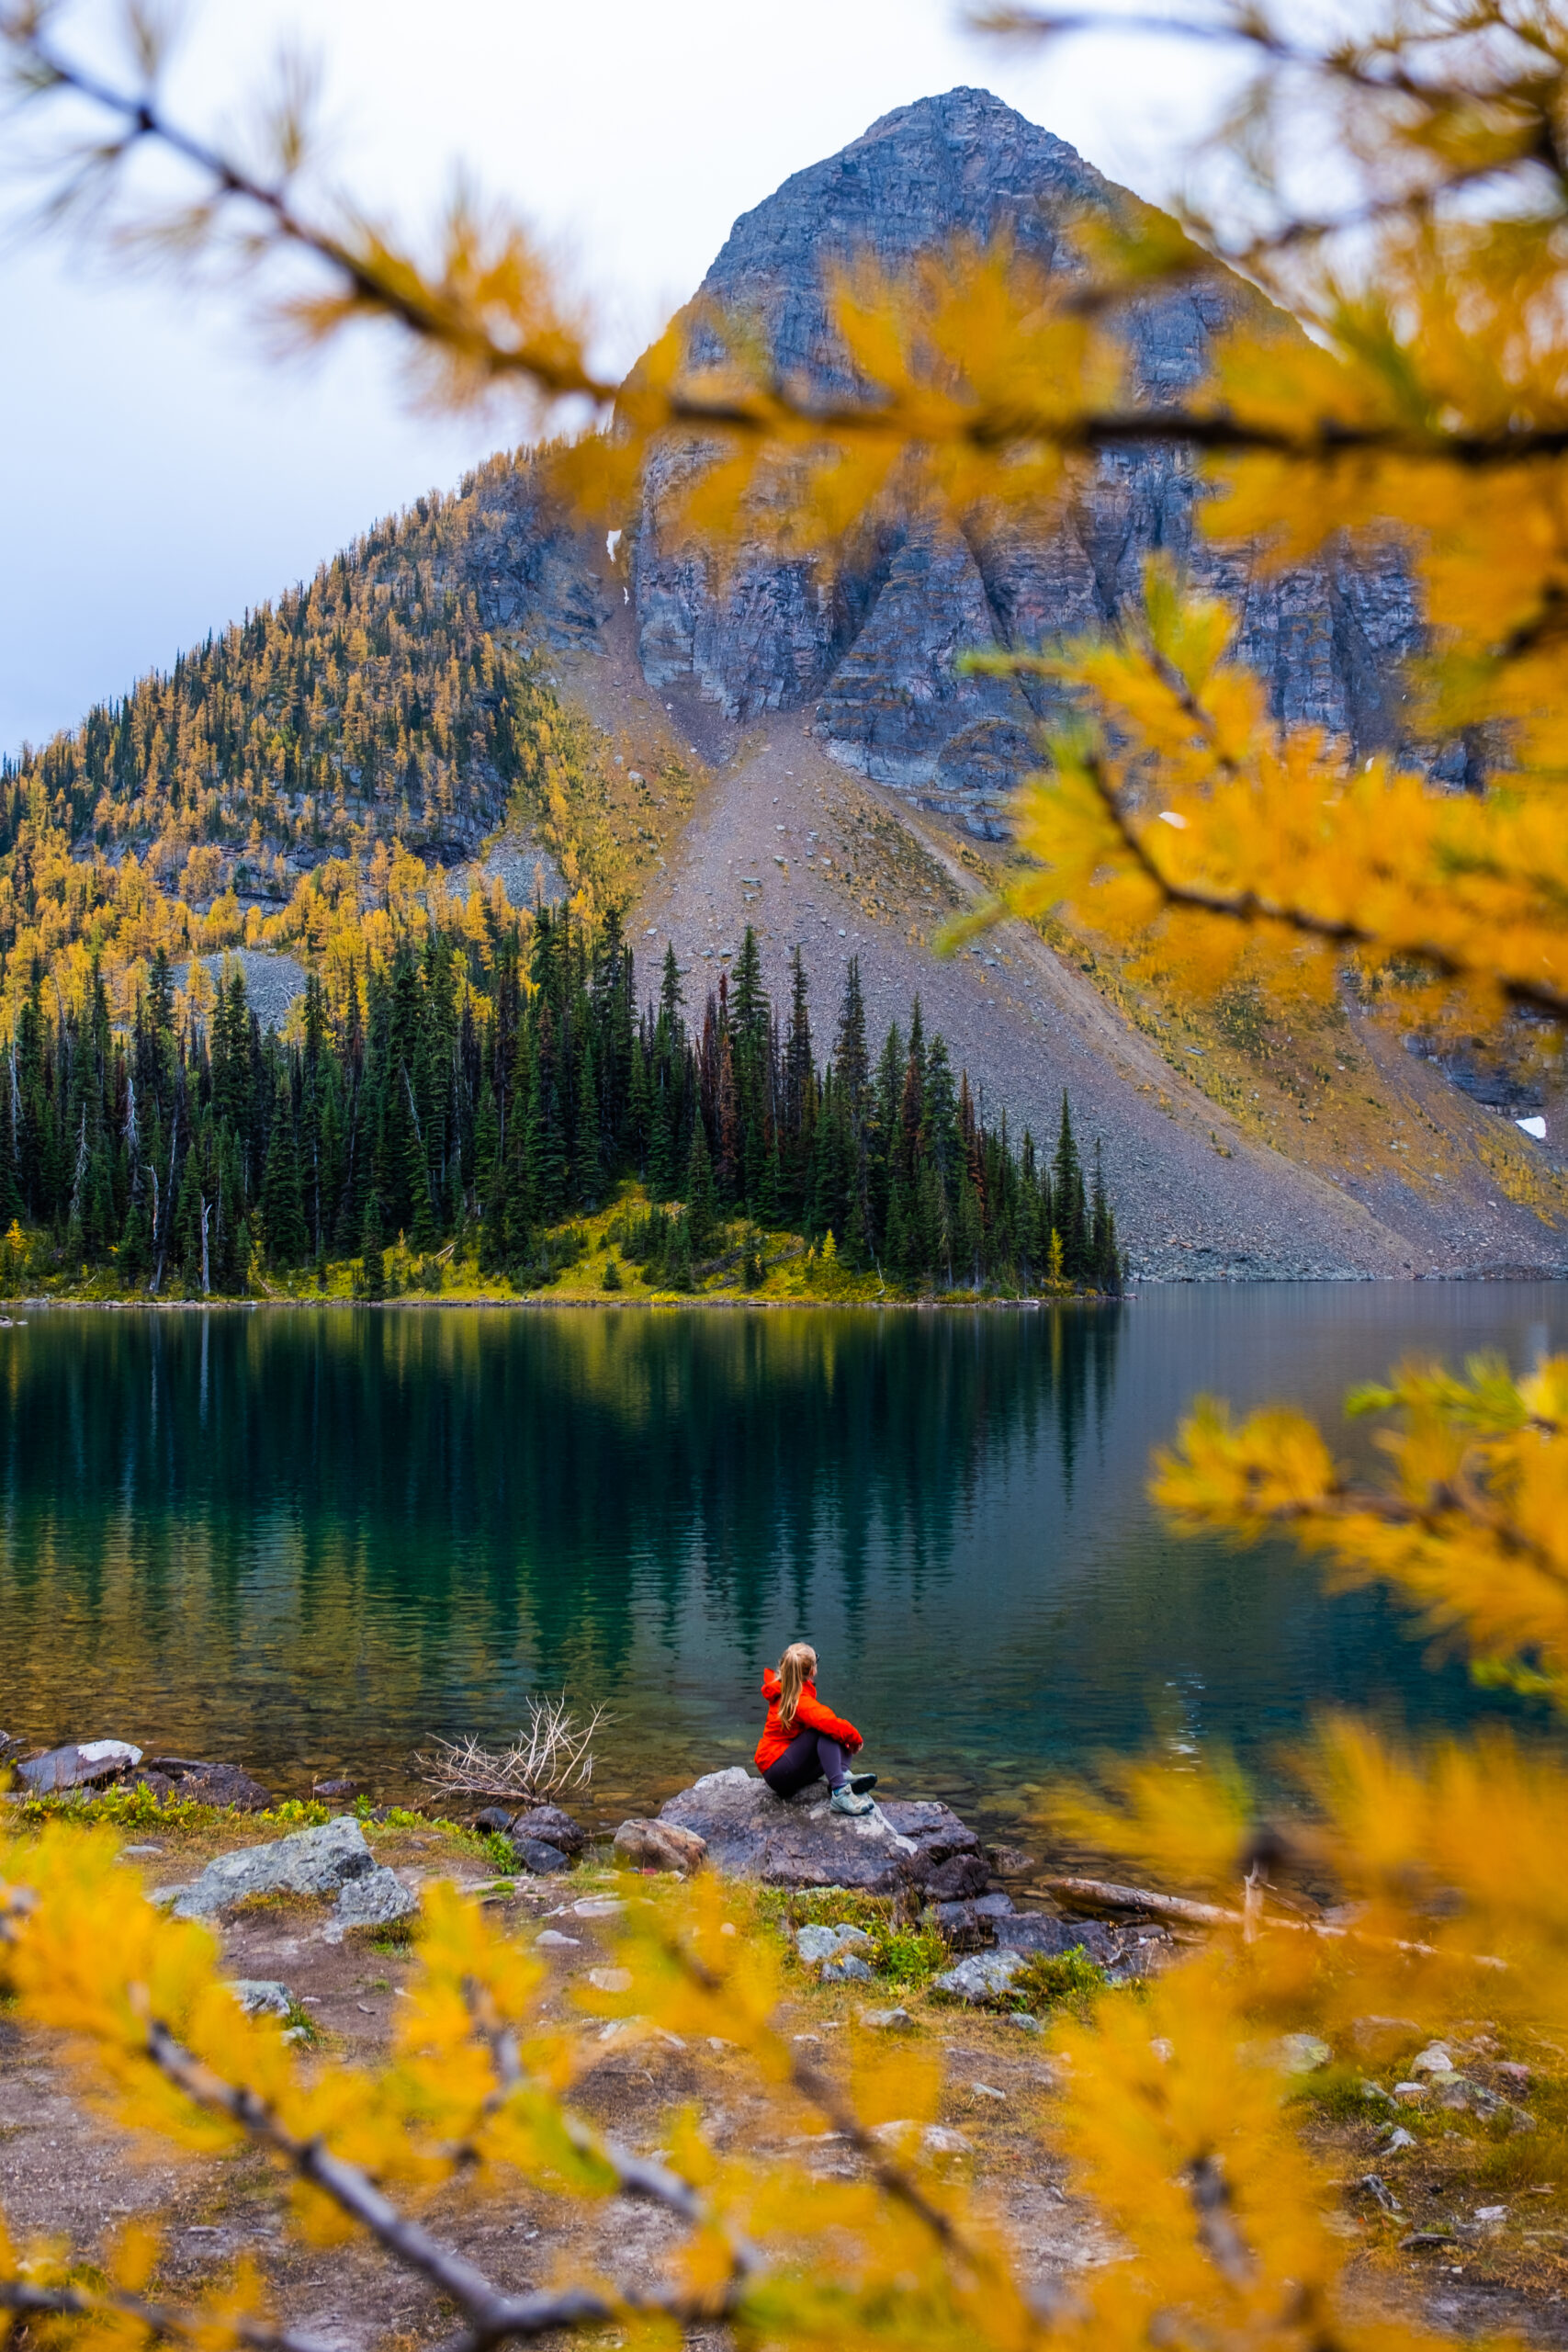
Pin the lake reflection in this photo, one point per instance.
(305, 1540)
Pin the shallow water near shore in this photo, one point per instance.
(304, 1542)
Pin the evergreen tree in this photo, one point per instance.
(282, 1205)
(373, 1249)
(702, 1202)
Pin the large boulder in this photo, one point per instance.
(261, 1997)
(371, 1904)
(313, 1861)
(537, 1856)
(799, 1842)
(86, 1764)
(1033, 1932)
(216, 1784)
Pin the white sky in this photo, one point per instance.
(159, 473)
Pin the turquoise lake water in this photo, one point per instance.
(305, 1540)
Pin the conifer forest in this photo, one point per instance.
(450, 1123)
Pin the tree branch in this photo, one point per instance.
(435, 315)
(492, 2317)
(158, 2319)
(1250, 906)
(351, 2190)
(442, 318)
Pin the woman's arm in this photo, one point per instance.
(816, 1717)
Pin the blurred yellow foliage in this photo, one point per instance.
(1426, 402)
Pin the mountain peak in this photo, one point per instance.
(962, 165)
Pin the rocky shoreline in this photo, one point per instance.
(914, 1854)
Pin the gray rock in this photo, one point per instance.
(1039, 1931)
(260, 1996)
(984, 1977)
(545, 1861)
(887, 2021)
(81, 1766)
(816, 1943)
(851, 1969)
(970, 1924)
(752, 1834)
(934, 1830)
(958, 1879)
(380, 1900)
(313, 1861)
(1024, 2022)
(551, 1827)
(1302, 2053)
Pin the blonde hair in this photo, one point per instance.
(796, 1667)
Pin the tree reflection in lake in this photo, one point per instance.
(307, 1539)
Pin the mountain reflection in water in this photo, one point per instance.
(305, 1540)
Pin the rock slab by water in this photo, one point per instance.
(83, 1765)
(750, 1833)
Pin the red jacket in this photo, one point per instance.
(810, 1715)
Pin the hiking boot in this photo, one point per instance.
(845, 1799)
(860, 1782)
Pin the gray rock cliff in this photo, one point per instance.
(870, 641)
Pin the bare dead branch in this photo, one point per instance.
(553, 1753)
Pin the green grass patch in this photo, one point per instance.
(1055, 1981)
(900, 1954)
(1338, 2094)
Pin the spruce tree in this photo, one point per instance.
(702, 1202)
(373, 1247)
(282, 1206)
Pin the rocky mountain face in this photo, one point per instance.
(869, 643)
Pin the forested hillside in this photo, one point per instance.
(472, 1098)
(382, 707)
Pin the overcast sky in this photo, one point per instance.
(158, 472)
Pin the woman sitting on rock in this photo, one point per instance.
(804, 1741)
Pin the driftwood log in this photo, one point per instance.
(1104, 1895)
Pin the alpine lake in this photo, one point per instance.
(306, 1540)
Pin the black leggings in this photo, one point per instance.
(810, 1756)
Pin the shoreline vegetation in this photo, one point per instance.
(495, 1120)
